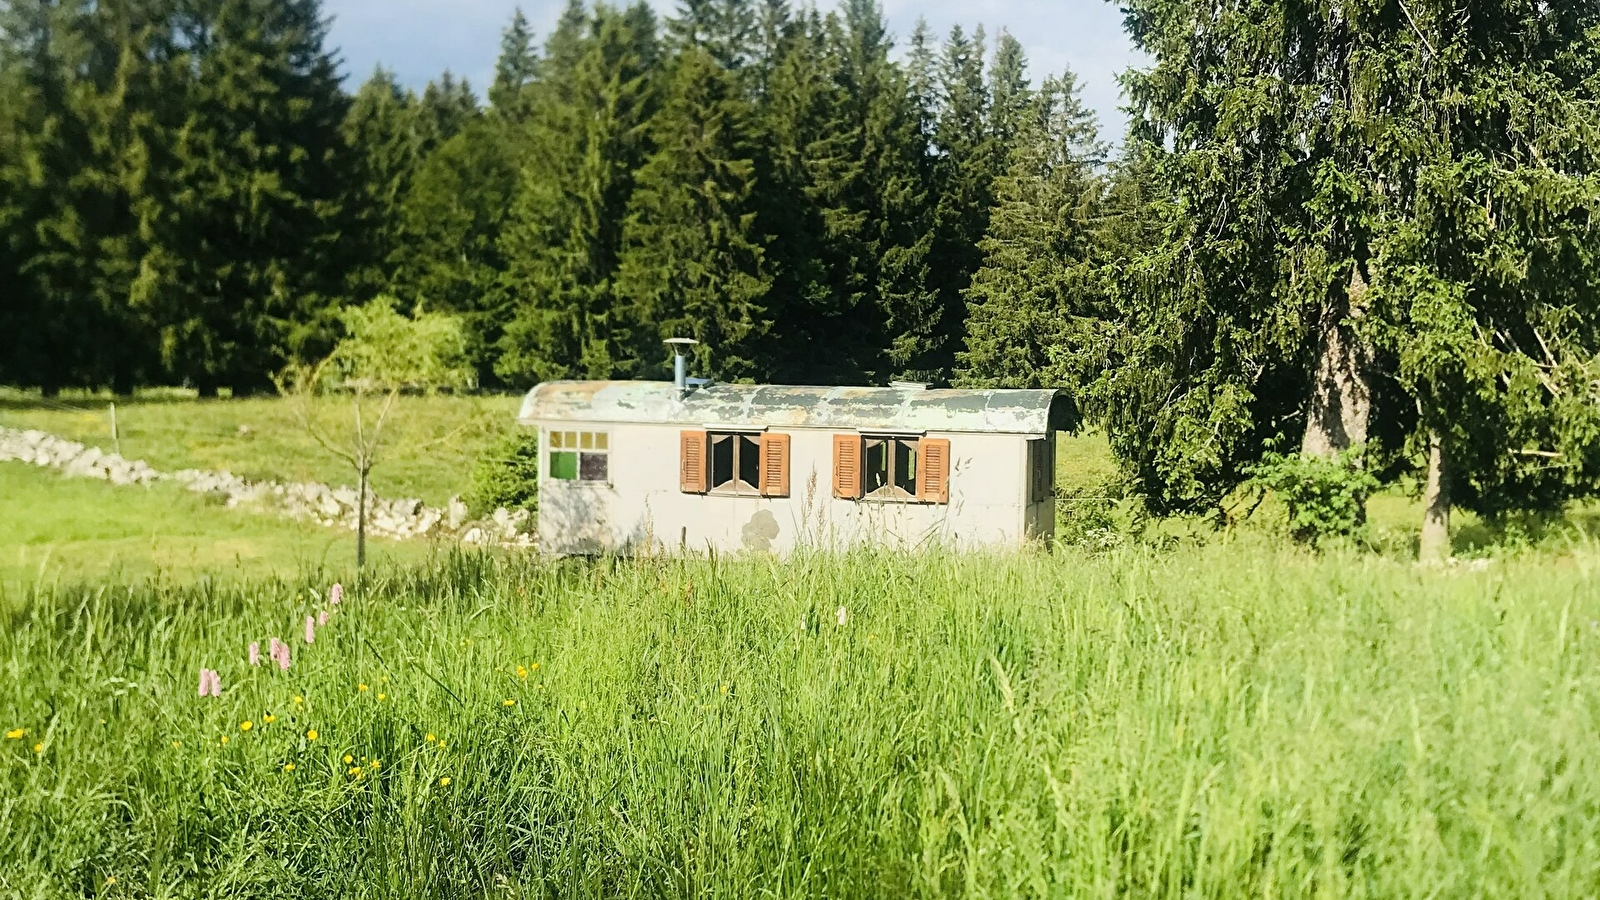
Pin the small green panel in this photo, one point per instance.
(564, 465)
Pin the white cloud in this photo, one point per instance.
(418, 39)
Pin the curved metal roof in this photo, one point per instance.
(890, 409)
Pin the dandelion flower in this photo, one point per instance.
(311, 629)
(298, 699)
(336, 594)
(724, 687)
(288, 767)
(431, 738)
(246, 725)
(354, 770)
(110, 880)
(16, 734)
(177, 744)
(536, 667)
(224, 739)
(311, 735)
(383, 696)
(38, 748)
(255, 653)
(268, 719)
(441, 745)
(348, 759)
(509, 702)
(522, 671)
(361, 687)
(376, 763)
(445, 781)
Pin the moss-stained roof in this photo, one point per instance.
(890, 409)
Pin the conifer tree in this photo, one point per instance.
(586, 140)
(243, 225)
(514, 71)
(694, 259)
(1040, 270)
(381, 154)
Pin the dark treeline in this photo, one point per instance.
(1332, 225)
(188, 194)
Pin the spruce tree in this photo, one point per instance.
(242, 227)
(586, 139)
(381, 152)
(514, 71)
(1040, 272)
(694, 259)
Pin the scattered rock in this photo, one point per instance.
(308, 501)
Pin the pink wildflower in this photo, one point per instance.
(311, 630)
(280, 654)
(322, 618)
(336, 594)
(255, 653)
(210, 683)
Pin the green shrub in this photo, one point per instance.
(1325, 498)
(507, 475)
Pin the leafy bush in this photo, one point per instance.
(507, 475)
(1325, 498)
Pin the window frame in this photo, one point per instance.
(891, 491)
(734, 486)
(579, 436)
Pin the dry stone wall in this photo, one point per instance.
(335, 507)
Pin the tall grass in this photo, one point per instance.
(1213, 722)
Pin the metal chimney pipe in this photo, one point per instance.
(680, 364)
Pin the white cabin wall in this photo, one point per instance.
(643, 505)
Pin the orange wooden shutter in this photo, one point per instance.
(692, 458)
(847, 466)
(933, 470)
(774, 465)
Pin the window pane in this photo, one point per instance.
(602, 441)
(586, 440)
(593, 466)
(563, 465)
(721, 460)
(749, 461)
(570, 441)
(555, 440)
(877, 464)
(905, 466)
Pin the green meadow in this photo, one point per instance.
(1222, 721)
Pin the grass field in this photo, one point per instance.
(1223, 721)
(435, 440)
(57, 528)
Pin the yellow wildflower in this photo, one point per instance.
(288, 767)
(311, 735)
(383, 696)
(299, 699)
(445, 781)
(16, 734)
(522, 671)
(431, 738)
(177, 744)
(354, 770)
(268, 720)
(509, 702)
(361, 687)
(348, 759)
(376, 763)
(246, 725)
(110, 880)
(224, 739)
(441, 745)
(38, 748)
(724, 687)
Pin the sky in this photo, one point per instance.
(418, 39)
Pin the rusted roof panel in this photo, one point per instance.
(891, 409)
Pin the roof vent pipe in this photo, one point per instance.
(680, 364)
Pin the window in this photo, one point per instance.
(1041, 470)
(890, 467)
(580, 455)
(733, 463)
(736, 463)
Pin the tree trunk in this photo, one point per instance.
(361, 522)
(206, 388)
(1436, 503)
(1341, 395)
